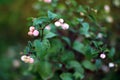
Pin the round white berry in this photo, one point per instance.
(107, 8)
(111, 64)
(82, 14)
(100, 35)
(35, 33)
(32, 28)
(109, 19)
(47, 1)
(61, 20)
(30, 33)
(65, 26)
(57, 24)
(102, 56)
(31, 60)
(23, 57)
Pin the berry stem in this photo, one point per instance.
(42, 34)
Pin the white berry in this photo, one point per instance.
(102, 56)
(111, 64)
(35, 33)
(65, 26)
(61, 20)
(57, 24)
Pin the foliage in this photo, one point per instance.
(68, 53)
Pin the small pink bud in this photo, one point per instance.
(61, 20)
(57, 24)
(32, 28)
(30, 33)
(48, 27)
(48, 1)
(35, 33)
(31, 60)
(65, 26)
(103, 56)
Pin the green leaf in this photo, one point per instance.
(67, 56)
(56, 46)
(41, 47)
(76, 66)
(74, 3)
(66, 76)
(98, 63)
(92, 17)
(88, 65)
(51, 15)
(78, 75)
(67, 40)
(78, 46)
(80, 20)
(81, 9)
(26, 50)
(97, 45)
(90, 52)
(45, 70)
(112, 52)
(37, 44)
(40, 21)
(49, 34)
(85, 28)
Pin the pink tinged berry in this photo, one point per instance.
(57, 24)
(65, 26)
(32, 28)
(48, 1)
(30, 33)
(107, 8)
(31, 60)
(48, 27)
(35, 33)
(61, 20)
(102, 56)
(27, 59)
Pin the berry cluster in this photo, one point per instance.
(61, 23)
(33, 32)
(27, 59)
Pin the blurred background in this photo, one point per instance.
(13, 36)
(14, 16)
